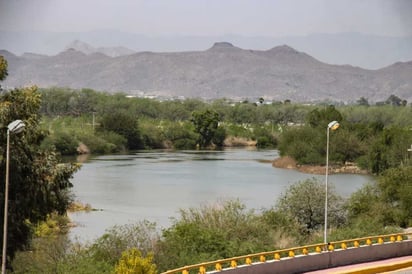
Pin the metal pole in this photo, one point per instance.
(326, 187)
(6, 201)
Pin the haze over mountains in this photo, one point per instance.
(223, 70)
(356, 49)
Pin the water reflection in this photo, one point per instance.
(154, 185)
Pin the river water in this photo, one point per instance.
(154, 185)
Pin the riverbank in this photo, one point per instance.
(288, 162)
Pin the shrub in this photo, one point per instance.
(132, 262)
(105, 142)
(64, 142)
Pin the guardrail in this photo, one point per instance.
(277, 255)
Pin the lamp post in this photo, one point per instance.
(16, 126)
(334, 125)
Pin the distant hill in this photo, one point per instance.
(109, 51)
(221, 71)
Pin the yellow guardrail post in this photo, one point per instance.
(248, 261)
(305, 251)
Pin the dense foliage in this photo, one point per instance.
(226, 229)
(3, 68)
(39, 183)
(375, 137)
(206, 124)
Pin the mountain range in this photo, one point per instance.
(223, 70)
(357, 49)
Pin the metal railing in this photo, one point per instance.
(262, 257)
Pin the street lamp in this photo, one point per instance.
(16, 126)
(334, 125)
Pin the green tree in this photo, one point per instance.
(362, 101)
(206, 125)
(367, 212)
(3, 68)
(219, 137)
(395, 185)
(389, 149)
(383, 206)
(242, 113)
(304, 202)
(39, 182)
(321, 118)
(124, 124)
(305, 144)
(181, 135)
(394, 100)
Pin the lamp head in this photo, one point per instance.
(334, 125)
(16, 126)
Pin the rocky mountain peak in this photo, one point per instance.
(81, 46)
(223, 46)
(283, 49)
(89, 49)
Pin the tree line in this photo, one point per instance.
(373, 137)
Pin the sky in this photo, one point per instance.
(210, 17)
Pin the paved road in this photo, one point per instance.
(400, 265)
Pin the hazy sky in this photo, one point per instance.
(210, 17)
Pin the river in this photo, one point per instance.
(154, 185)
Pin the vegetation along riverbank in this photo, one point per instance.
(290, 163)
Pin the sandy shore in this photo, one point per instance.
(290, 163)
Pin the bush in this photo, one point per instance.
(124, 124)
(109, 247)
(211, 232)
(219, 137)
(64, 142)
(132, 262)
(152, 135)
(181, 135)
(304, 202)
(105, 142)
(305, 144)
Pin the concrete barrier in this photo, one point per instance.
(317, 261)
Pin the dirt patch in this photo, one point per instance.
(290, 163)
(285, 162)
(238, 142)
